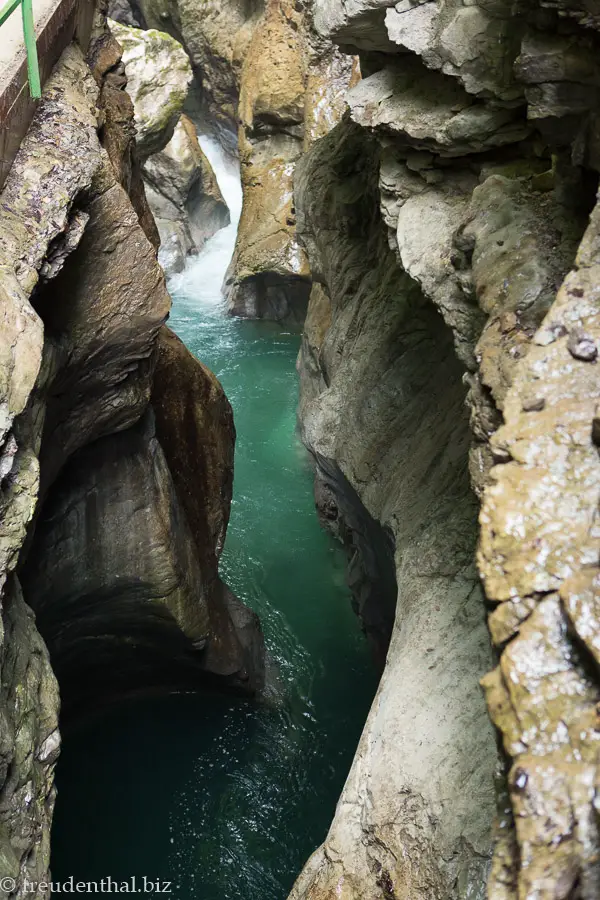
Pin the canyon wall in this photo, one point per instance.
(382, 410)
(439, 364)
(116, 453)
(268, 86)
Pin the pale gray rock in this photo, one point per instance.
(355, 24)
(425, 230)
(382, 410)
(486, 119)
(475, 43)
(427, 111)
(159, 74)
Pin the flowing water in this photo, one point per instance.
(224, 798)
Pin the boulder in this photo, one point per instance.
(158, 78)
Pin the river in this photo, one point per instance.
(223, 798)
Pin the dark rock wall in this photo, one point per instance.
(194, 423)
(101, 532)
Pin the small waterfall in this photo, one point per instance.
(203, 275)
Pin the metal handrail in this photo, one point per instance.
(33, 69)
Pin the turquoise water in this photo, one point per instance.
(224, 798)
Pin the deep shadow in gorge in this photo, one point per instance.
(223, 797)
(252, 787)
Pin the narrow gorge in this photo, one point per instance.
(354, 244)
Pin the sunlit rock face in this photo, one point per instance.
(292, 90)
(158, 75)
(481, 125)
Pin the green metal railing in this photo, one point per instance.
(33, 69)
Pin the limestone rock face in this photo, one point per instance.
(382, 410)
(543, 574)
(269, 86)
(480, 122)
(291, 92)
(158, 77)
(216, 35)
(117, 135)
(184, 196)
(82, 305)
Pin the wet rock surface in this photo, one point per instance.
(382, 409)
(184, 196)
(194, 423)
(83, 304)
(268, 85)
(483, 128)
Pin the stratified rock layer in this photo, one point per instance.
(484, 132)
(382, 410)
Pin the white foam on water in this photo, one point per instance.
(202, 279)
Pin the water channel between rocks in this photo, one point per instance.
(226, 799)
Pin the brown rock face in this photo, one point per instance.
(539, 562)
(194, 423)
(291, 92)
(116, 117)
(270, 85)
